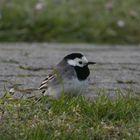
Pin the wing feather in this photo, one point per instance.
(44, 84)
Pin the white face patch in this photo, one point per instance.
(81, 62)
(84, 59)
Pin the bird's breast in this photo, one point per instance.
(82, 72)
(75, 85)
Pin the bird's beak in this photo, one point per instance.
(91, 63)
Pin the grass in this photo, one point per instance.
(98, 21)
(70, 118)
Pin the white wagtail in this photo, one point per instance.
(68, 76)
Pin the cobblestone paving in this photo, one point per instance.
(118, 67)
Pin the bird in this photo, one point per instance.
(69, 76)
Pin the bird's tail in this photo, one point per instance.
(26, 92)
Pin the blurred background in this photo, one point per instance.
(90, 21)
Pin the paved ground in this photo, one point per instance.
(118, 67)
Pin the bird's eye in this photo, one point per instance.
(80, 62)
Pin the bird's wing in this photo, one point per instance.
(58, 76)
(46, 81)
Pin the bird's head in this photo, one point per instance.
(77, 60)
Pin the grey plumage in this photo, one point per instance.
(70, 75)
(59, 80)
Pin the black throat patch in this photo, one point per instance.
(82, 72)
